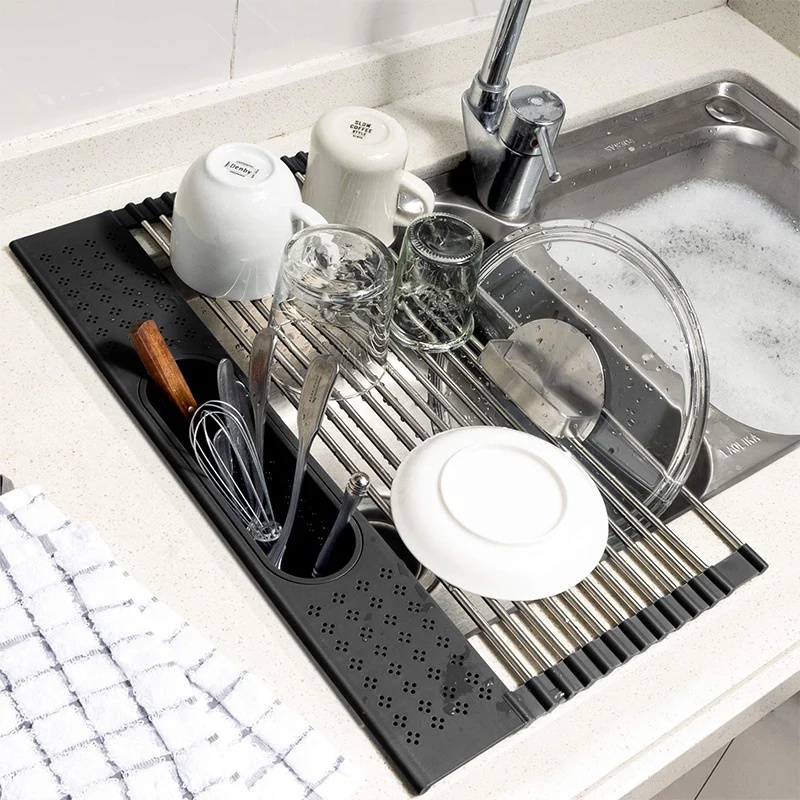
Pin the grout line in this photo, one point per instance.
(719, 761)
(234, 31)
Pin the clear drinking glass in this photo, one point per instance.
(438, 279)
(335, 294)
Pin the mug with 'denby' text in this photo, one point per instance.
(235, 209)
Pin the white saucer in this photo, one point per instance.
(499, 513)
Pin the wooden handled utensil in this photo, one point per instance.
(161, 366)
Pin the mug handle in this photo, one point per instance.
(416, 187)
(300, 212)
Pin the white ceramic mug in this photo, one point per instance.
(235, 209)
(356, 171)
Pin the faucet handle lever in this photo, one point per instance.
(546, 149)
(531, 120)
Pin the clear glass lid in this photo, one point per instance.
(594, 338)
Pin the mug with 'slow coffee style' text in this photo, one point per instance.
(356, 172)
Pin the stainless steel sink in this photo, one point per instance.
(725, 131)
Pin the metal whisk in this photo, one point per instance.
(226, 452)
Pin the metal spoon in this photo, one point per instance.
(356, 488)
(258, 374)
(317, 387)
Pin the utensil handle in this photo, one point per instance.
(316, 391)
(161, 366)
(259, 374)
(356, 488)
(317, 387)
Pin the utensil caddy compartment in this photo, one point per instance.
(318, 503)
(406, 669)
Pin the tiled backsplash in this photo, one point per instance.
(70, 61)
(67, 60)
(62, 61)
(272, 34)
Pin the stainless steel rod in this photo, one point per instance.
(563, 619)
(382, 390)
(602, 602)
(711, 519)
(500, 647)
(343, 458)
(579, 608)
(631, 575)
(519, 634)
(685, 551)
(552, 641)
(447, 379)
(618, 588)
(366, 397)
(160, 240)
(644, 558)
(335, 418)
(345, 405)
(404, 359)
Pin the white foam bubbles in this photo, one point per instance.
(738, 256)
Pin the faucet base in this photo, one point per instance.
(505, 180)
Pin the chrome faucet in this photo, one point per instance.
(510, 136)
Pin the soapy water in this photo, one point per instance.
(738, 257)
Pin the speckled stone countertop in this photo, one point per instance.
(631, 733)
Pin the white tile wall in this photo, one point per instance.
(272, 33)
(62, 61)
(66, 60)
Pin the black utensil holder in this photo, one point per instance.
(431, 702)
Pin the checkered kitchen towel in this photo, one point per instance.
(105, 693)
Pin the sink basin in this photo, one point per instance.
(669, 173)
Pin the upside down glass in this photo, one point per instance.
(438, 279)
(335, 295)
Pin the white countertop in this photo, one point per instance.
(627, 736)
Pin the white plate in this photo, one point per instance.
(499, 513)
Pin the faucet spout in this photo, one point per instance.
(493, 74)
(509, 136)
